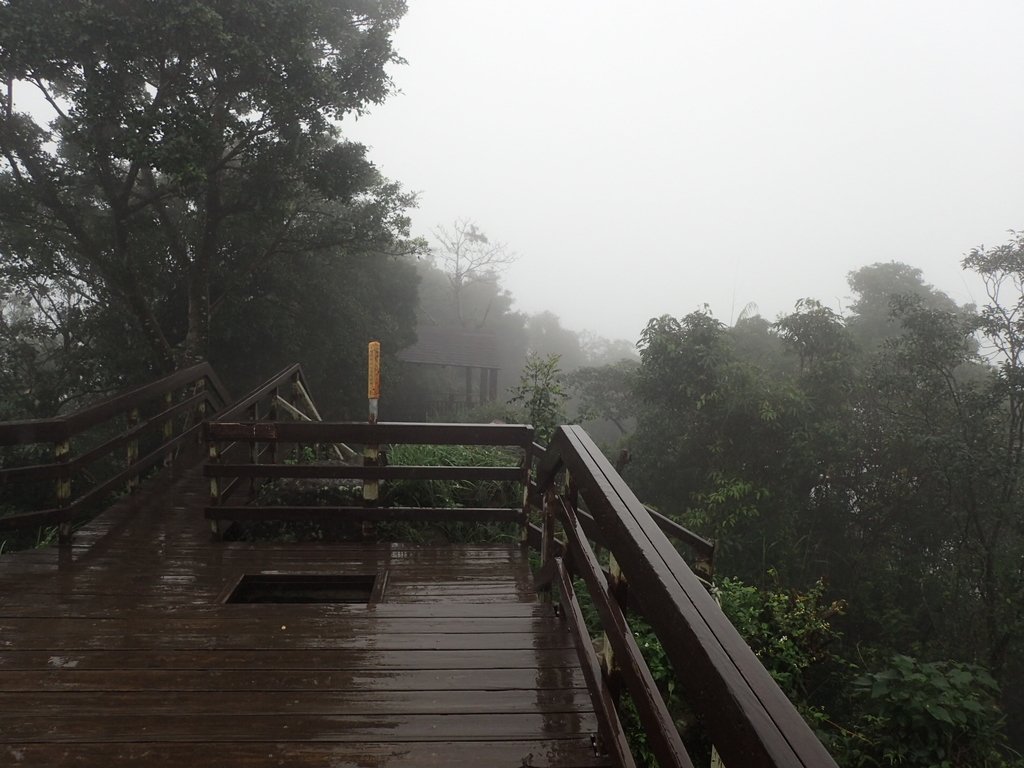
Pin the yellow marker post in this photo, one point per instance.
(373, 369)
(371, 488)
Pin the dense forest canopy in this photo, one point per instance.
(192, 168)
(191, 195)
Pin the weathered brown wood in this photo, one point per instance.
(344, 472)
(227, 727)
(576, 752)
(660, 728)
(264, 431)
(121, 403)
(287, 660)
(380, 433)
(62, 430)
(614, 737)
(338, 514)
(750, 720)
(309, 681)
(147, 606)
(23, 633)
(122, 652)
(264, 390)
(271, 641)
(304, 702)
(705, 548)
(158, 420)
(52, 516)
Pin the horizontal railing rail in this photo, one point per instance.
(266, 437)
(700, 549)
(593, 535)
(162, 416)
(745, 713)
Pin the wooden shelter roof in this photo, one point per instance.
(452, 346)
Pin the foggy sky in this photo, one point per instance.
(647, 158)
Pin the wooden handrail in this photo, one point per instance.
(381, 433)
(62, 430)
(663, 736)
(270, 433)
(748, 718)
(746, 715)
(613, 735)
(58, 428)
(51, 470)
(264, 390)
(322, 471)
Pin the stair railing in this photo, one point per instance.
(746, 715)
(160, 418)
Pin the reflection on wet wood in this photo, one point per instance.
(122, 652)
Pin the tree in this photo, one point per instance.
(606, 392)
(46, 343)
(875, 286)
(545, 337)
(713, 434)
(193, 143)
(469, 257)
(540, 395)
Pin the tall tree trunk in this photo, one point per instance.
(197, 338)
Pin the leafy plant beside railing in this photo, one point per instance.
(396, 493)
(451, 493)
(919, 714)
(103, 450)
(790, 632)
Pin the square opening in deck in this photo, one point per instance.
(305, 588)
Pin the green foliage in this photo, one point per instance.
(875, 286)
(193, 191)
(540, 396)
(818, 336)
(451, 493)
(927, 715)
(606, 392)
(400, 493)
(791, 632)
(879, 451)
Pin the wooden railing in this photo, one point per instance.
(160, 417)
(747, 717)
(593, 533)
(310, 449)
(265, 437)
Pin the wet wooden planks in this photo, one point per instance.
(122, 652)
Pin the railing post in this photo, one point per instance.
(524, 532)
(705, 566)
(617, 586)
(168, 429)
(371, 488)
(61, 455)
(254, 451)
(214, 488)
(547, 538)
(272, 415)
(133, 452)
(200, 407)
(294, 400)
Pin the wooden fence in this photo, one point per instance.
(162, 417)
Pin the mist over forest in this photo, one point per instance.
(178, 183)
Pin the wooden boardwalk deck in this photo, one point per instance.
(125, 654)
